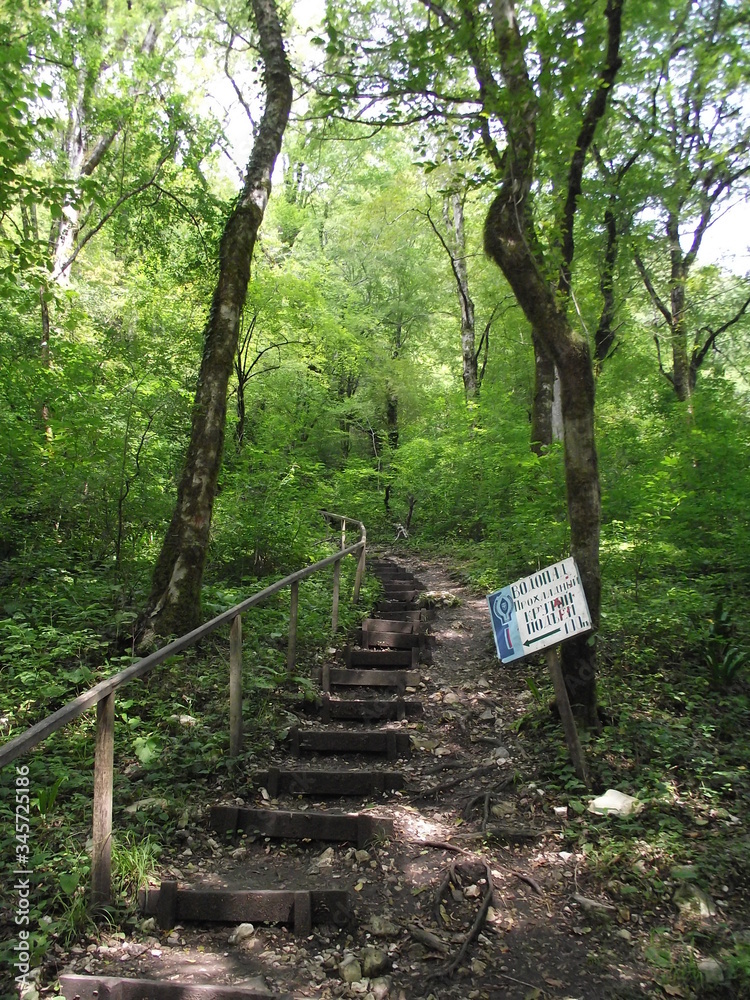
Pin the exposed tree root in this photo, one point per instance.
(452, 876)
(447, 785)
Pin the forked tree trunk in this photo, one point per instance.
(570, 353)
(174, 604)
(510, 239)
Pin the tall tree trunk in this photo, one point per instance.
(455, 247)
(509, 248)
(174, 604)
(604, 335)
(682, 373)
(545, 428)
(454, 217)
(510, 239)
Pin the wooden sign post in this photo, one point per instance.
(566, 716)
(539, 612)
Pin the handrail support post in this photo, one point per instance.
(101, 854)
(336, 585)
(235, 687)
(291, 654)
(359, 576)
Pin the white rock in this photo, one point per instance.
(615, 803)
(350, 970)
(374, 962)
(241, 933)
(694, 902)
(711, 971)
(381, 987)
(152, 802)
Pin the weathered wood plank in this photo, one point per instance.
(369, 709)
(339, 782)
(101, 852)
(291, 652)
(345, 677)
(282, 824)
(389, 606)
(335, 608)
(260, 906)
(416, 615)
(235, 687)
(115, 988)
(391, 640)
(390, 625)
(380, 658)
(338, 741)
(401, 594)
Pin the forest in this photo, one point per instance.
(476, 274)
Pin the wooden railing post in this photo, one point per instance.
(343, 533)
(336, 582)
(235, 687)
(101, 855)
(291, 653)
(359, 576)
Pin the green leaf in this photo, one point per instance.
(69, 882)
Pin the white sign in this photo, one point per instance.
(539, 611)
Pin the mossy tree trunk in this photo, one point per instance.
(511, 241)
(174, 604)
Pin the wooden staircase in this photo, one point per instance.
(381, 669)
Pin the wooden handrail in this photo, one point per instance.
(102, 694)
(36, 734)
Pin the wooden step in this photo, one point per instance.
(171, 905)
(390, 625)
(385, 572)
(334, 782)
(415, 616)
(346, 677)
(391, 640)
(360, 709)
(383, 741)
(381, 658)
(369, 709)
(115, 988)
(401, 594)
(283, 824)
(388, 607)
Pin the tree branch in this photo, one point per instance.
(699, 355)
(117, 205)
(592, 116)
(665, 373)
(655, 298)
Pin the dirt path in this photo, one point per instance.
(492, 815)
